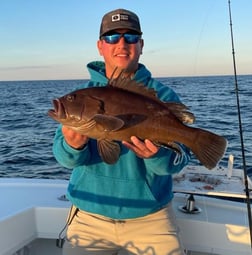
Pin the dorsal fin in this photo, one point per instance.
(124, 81)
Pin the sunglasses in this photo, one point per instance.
(128, 38)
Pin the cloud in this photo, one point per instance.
(12, 68)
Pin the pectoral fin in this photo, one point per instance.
(108, 123)
(104, 123)
(109, 151)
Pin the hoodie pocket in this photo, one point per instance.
(113, 197)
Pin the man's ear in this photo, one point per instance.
(99, 47)
(142, 45)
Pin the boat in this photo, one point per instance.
(209, 205)
(33, 213)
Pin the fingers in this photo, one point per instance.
(143, 149)
(151, 146)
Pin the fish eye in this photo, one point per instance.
(70, 98)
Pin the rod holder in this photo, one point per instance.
(190, 207)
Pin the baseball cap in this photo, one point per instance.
(120, 19)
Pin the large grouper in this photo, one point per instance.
(125, 108)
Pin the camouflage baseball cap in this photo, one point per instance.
(120, 19)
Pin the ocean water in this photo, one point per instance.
(26, 132)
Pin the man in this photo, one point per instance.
(121, 208)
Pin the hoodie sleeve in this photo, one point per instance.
(167, 161)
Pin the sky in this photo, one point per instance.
(56, 39)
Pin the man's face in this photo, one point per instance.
(122, 55)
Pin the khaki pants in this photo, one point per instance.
(154, 234)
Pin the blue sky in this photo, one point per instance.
(55, 39)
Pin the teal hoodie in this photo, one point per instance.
(132, 187)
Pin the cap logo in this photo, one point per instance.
(118, 17)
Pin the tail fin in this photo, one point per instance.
(209, 148)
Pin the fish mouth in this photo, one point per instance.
(59, 110)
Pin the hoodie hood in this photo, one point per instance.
(98, 74)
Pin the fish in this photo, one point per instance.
(125, 108)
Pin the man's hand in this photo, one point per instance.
(74, 139)
(143, 149)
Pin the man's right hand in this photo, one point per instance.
(74, 139)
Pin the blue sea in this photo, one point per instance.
(26, 132)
